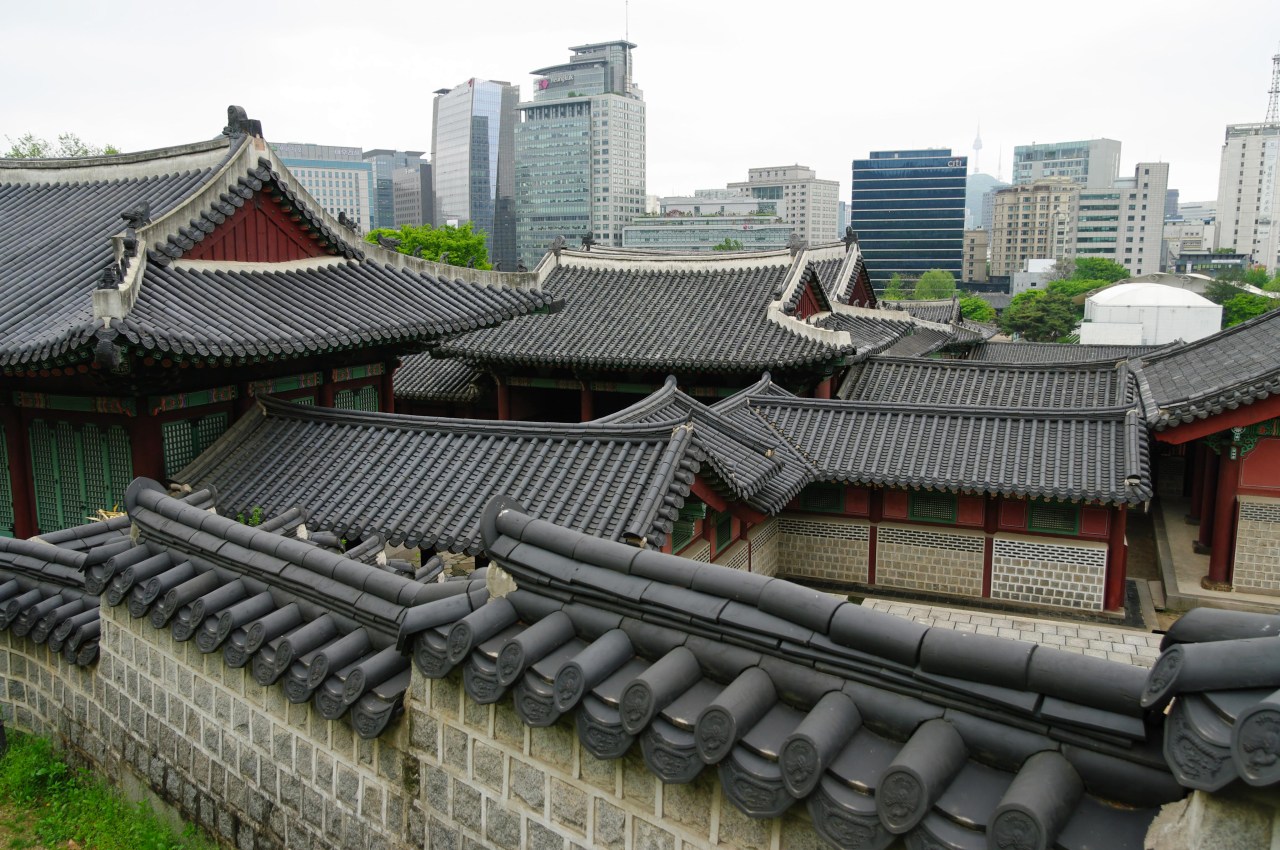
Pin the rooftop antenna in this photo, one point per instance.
(1273, 105)
(977, 151)
(626, 26)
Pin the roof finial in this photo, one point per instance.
(557, 245)
(240, 124)
(796, 243)
(588, 240)
(850, 238)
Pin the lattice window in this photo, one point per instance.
(1053, 517)
(724, 531)
(363, 398)
(306, 399)
(77, 471)
(823, 498)
(186, 439)
(927, 506)
(6, 490)
(681, 535)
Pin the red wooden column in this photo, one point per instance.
(1198, 465)
(146, 446)
(1224, 521)
(990, 522)
(504, 399)
(326, 388)
(877, 514)
(1208, 494)
(24, 501)
(386, 389)
(1117, 559)
(586, 403)
(823, 389)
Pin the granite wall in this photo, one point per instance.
(1257, 562)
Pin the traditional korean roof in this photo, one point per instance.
(1058, 352)
(1093, 454)
(943, 311)
(422, 481)
(1234, 367)
(106, 256)
(634, 311)
(962, 383)
(422, 377)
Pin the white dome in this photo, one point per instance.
(1149, 295)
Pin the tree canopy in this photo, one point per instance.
(1237, 304)
(933, 285)
(30, 146)
(729, 244)
(977, 309)
(1071, 287)
(1039, 316)
(1099, 268)
(896, 289)
(463, 245)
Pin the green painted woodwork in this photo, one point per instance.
(926, 506)
(6, 489)
(1053, 517)
(681, 535)
(823, 498)
(77, 470)
(724, 530)
(185, 439)
(363, 398)
(182, 401)
(693, 509)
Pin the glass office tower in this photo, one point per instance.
(473, 161)
(385, 164)
(908, 210)
(580, 149)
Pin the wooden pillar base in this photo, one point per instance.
(1209, 584)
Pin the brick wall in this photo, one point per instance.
(832, 549)
(258, 772)
(932, 561)
(1257, 561)
(765, 542)
(1066, 574)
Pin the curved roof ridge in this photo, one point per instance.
(949, 410)
(193, 156)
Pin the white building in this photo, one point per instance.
(1249, 193)
(337, 177)
(1124, 222)
(811, 206)
(1147, 314)
(1033, 275)
(1094, 163)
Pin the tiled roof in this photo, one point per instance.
(422, 481)
(422, 377)
(872, 331)
(919, 343)
(961, 383)
(1058, 352)
(1234, 367)
(76, 280)
(943, 311)
(1097, 454)
(747, 457)
(634, 312)
(880, 726)
(55, 229)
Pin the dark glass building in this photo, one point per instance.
(908, 211)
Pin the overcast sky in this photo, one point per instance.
(729, 85)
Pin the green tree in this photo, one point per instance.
(463, 245)
(30, 146)
(1039, 316)
(729, 244)
(1257, 276)
(1071, 287)
(1098, 268)
(977, 309)
(896, 290)
(933, 285)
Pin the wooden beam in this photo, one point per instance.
(1246, 414)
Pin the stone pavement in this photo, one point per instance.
(1127, 645)
(1181, 568)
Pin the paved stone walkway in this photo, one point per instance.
(1127, 645)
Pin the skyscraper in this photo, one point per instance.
(908, 210)
(385, 162)
(808, 204)
(473, 161)
(1249, 192)
(580, 151)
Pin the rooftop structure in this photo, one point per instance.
(801, 199)
(1148, 313)
(1093, 164)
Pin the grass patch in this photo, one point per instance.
(51, 804)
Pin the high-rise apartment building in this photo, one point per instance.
(1249, 193)
(908, 210)
(385, 162)
(337, 177)
(580, 151)
(1094, 163)
(473, 161)
(413, 198)
(809, 205)
(1033, 221)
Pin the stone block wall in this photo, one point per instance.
(1257, 560)
(833, 550)
(698, 550)
(1067, 574)
(932, 561)
(765, 540)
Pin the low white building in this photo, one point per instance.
(1034, 275)
(1147, 314)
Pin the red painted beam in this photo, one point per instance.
(19, 472)
(1224, 523)
(1117, 561)
(1247, 414)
